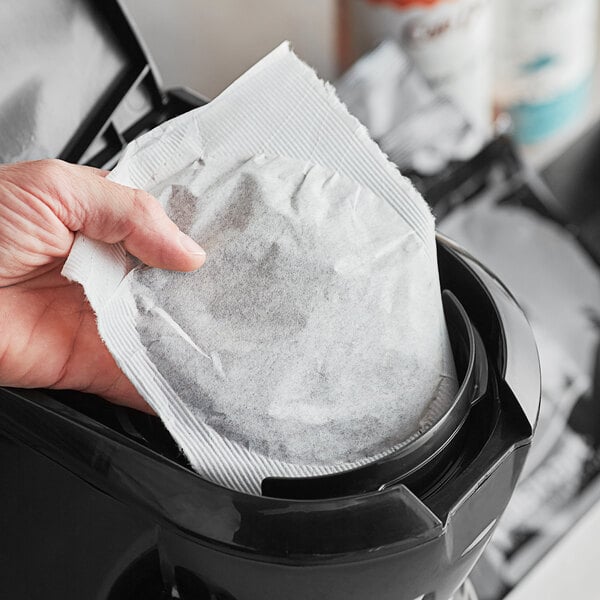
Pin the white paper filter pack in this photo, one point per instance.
(313, 339)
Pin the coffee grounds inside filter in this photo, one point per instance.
(295, 339)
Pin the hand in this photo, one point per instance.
(48, 334)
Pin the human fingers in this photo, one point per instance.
(87, 202)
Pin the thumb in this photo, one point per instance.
(107, 211)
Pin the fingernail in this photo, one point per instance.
(189, 245)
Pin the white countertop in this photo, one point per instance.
(571, 571)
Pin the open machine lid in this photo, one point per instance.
(75, 79)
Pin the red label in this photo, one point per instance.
(407, 3)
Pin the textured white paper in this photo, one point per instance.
(279, 108)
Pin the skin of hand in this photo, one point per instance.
(48, 333)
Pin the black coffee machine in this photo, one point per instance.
(97, 501)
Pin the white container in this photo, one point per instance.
(449, 40)
(546, 50)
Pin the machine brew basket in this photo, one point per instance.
(408, 526)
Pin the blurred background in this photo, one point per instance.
(206, 45)
(507, 54)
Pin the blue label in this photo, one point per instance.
(534, 122)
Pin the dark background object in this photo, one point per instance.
(76, 82)
(574, 179)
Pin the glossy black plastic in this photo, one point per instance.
(378, 543)
(78, 84)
